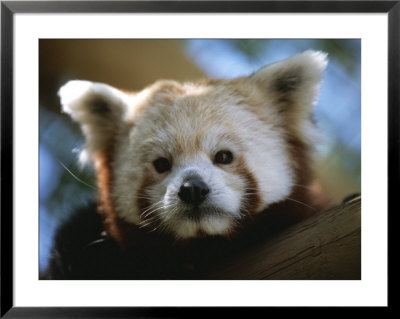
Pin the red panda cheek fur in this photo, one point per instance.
(251, 198)
(305, 199)
(126, 234)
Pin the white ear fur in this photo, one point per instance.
(293, 84)
(97, 107)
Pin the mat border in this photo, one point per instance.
(9, 8)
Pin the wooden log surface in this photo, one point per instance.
(325, 246)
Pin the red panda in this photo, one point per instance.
(181, 167)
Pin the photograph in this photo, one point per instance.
(187, 158)
(200, 159)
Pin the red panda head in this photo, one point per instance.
(192, 159)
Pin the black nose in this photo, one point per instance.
(193, 191)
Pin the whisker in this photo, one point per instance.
(299, 202)
(152, 211)
(144, 197)
(76, 177)
(148, 212)
(146, 224)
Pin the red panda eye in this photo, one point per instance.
(223, 157)
(162, 165)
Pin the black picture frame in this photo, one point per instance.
(9, 8)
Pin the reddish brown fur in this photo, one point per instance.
(126, 234)
(143, 203)
(252, 198)
(114, 225)
(305, 199)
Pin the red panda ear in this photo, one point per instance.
(97, 107)
(292, 84)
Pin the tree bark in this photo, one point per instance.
(325, 246)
